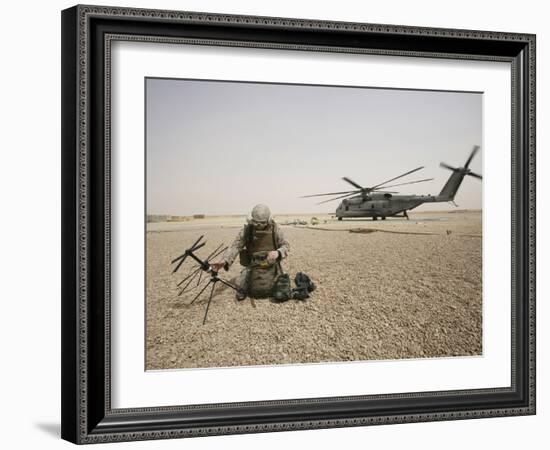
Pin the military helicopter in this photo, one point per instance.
(377, 202)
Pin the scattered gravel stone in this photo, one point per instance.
(379, 296)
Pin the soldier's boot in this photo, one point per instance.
(240, 295)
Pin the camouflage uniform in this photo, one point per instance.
(280, 244)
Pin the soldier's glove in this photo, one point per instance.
(219, 266)
(272, 256)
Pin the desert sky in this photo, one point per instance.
(215, 147)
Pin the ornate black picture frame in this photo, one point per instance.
(87, 34)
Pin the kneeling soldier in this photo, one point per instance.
(260, 246)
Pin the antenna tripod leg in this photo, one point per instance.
(227, 283)
(209, 300)
(202, 290)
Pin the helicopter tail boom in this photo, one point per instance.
(450, 189)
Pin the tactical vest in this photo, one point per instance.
(261, 274)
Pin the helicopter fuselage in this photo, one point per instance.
(377, 202)
(381, 205)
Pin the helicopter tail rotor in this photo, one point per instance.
(453, 183)
(465, 169)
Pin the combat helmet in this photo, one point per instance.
(260, 215)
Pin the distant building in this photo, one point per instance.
(158, 218)
(151, 218)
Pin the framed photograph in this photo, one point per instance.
(277, 224)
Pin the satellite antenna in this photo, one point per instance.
(203, 266)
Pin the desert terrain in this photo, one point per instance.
(396, 289)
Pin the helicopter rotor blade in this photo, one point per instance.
(404, 184)
(336, 198)
(474, 151)
(476, 175)
(446, 166)
(400, 176)
(353, 183)
(328, 193)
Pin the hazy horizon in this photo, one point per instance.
(320, 213)
(219, 148)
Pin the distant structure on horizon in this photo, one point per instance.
(151, 218)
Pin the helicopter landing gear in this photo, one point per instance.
(406, 215)
(384, 218)
(339, 218)
(375, 218)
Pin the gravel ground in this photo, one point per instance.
(379, 296)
